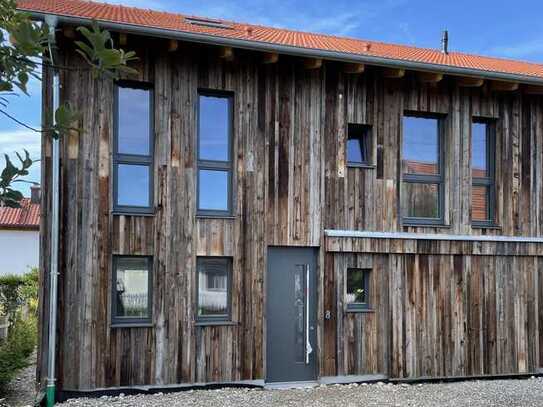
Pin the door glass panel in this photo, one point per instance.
(299, 304)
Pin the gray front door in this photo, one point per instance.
(291, 314)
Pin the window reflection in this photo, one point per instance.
(213, 194)
(214, 155)
(482, 170)
(132, 288)
(479, 203)
(358, 144)
(420, 200)
(214, 121)
(422, 177)
(357, 290)
(133, 185)
(213, 287)
(478, 150)
(133, 148)
(420, 152)
(133, 121)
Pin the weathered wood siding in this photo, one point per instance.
(277, 171)
(440, 315)
(368, 199)
(290, 183)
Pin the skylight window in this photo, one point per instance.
(207, 22)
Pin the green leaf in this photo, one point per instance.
(85, 49)
(65, 120)
(9, 196)
(27, 161)
(5, 87)
(99, 53)
(10, 170)
(13, 194)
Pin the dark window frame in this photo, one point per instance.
(367, 142)
(228, 261)
(489, 181)
(214, 165)
(117, 320)
(360, 306)
(428, 179)
(133, 159)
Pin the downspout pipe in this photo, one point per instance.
(51, 22)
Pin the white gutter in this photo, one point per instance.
(52, 21)
(429, 236)
(291, 50)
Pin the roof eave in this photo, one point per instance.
(22, 228)
(290, 50)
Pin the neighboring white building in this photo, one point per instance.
(19, 235)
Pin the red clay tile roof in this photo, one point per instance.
(25, 217)
(259, 36)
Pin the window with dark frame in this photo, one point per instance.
(133, 148)
(357, 294)
(215, 127)
(131, 290)
(214, 282)
(483, 161)
(422, 170)
(359, 145)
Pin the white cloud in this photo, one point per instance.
(345, 19)
(524, 49)
(17, 140)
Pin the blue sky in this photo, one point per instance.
(487, 27)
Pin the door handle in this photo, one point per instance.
(308, 348)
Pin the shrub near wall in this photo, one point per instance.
(18, 300)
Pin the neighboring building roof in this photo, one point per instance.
(266, 38)
(25, 217)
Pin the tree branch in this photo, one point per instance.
(20, 122)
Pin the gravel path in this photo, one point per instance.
(21, 390)
(523, 393)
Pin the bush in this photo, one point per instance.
(18, 300)
(16, 348)
(17, 291)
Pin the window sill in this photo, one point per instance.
(486, 226)
(133, 213)
(426, 225)
(359, 310)
(215, 323)
(366, 166)
(203, 216)
(117, 325)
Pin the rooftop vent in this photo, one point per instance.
(207, 22)
(445, 42)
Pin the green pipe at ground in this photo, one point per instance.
(50, 396)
